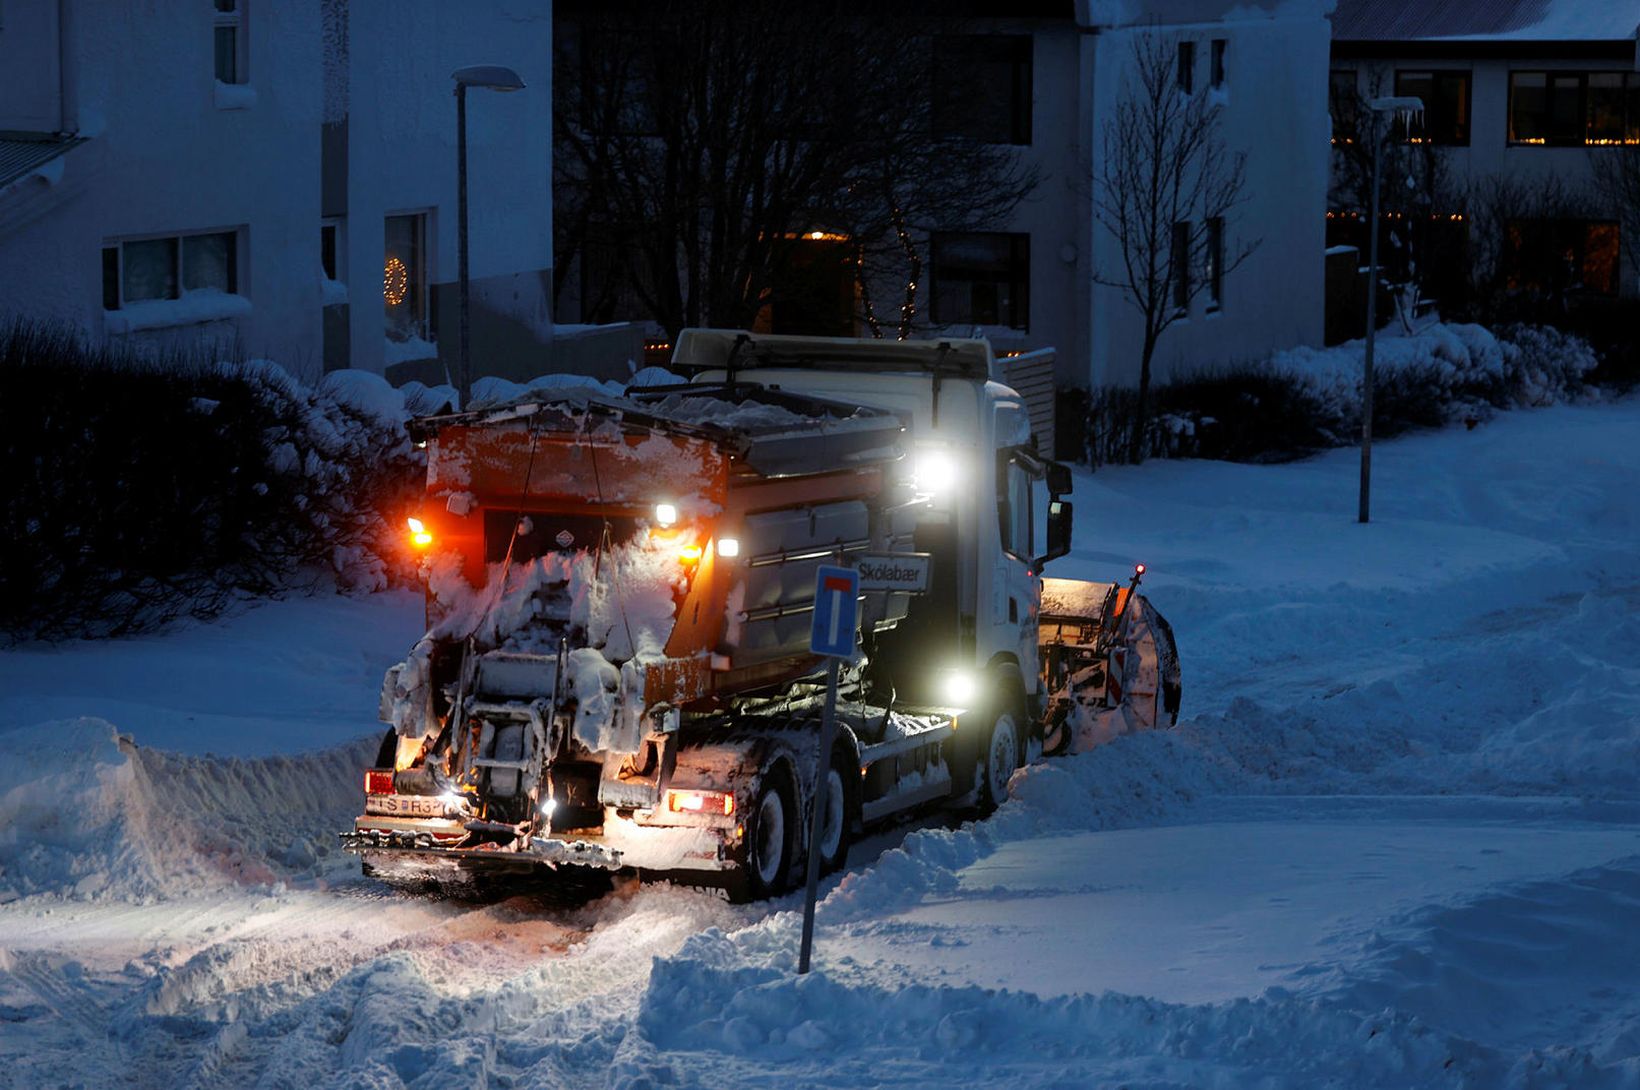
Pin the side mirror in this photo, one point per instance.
(1059, 479)
(1059, 532)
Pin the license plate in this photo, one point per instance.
(426, 806)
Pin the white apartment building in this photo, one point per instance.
(277, 178)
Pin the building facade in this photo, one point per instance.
(276, 179)
(1044, 78)
(1523, 98)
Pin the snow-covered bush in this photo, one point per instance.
(146, 489)
(1306, 399)
(1543, 365)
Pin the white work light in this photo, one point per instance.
(666, 514)
(937, 471)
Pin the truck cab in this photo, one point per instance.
(994, 512)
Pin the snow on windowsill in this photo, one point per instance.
(193, 308)
(234, 96)
(413, 349)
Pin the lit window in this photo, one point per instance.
(404, 277)
(230, 41)
(981, 278)
(140, 270)
(1556, 256)
(1569, 109)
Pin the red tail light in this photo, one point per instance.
(378, 782)
(700, 802)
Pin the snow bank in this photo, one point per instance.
(85, 813)
(742, 1023)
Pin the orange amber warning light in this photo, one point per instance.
(700, 802)
(418, 533)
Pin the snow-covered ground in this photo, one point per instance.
(1395, 840)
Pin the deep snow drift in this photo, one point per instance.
(1395, 840)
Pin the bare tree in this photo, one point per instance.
(1164, 180)
(701, 146)
(1617, 182)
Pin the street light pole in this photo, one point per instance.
(1404, 105)
(1372, 329)
(496, 78)
(464, 364)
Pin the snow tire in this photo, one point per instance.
(771, 828)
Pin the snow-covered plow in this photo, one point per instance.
(1109, 663)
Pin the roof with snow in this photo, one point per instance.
(1487, 20)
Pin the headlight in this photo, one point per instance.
(665, 514)
(958, 688)
(728, 547)
(937, 471)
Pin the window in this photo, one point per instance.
(141, 270)
(1553, 256)
(330, 253)
(981, 279)
(1218, 62)
(230, 41)
(1014, 512)
(1570, 109)
(1613, 108)
(1343, 103)
(1181, 266)
(1187, 67)
(1446, 106)
(982, 87)
(404, 277)
(1215, 263)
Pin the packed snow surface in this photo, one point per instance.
(1394, 841)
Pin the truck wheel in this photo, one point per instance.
(841, 804)
(1001, 756)
(765, 854)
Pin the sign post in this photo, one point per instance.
(836, 619)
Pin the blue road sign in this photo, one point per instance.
(836, 611)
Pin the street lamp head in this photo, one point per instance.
(496, 77)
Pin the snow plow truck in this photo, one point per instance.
(617, 671)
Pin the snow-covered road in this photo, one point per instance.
(1395, 840)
